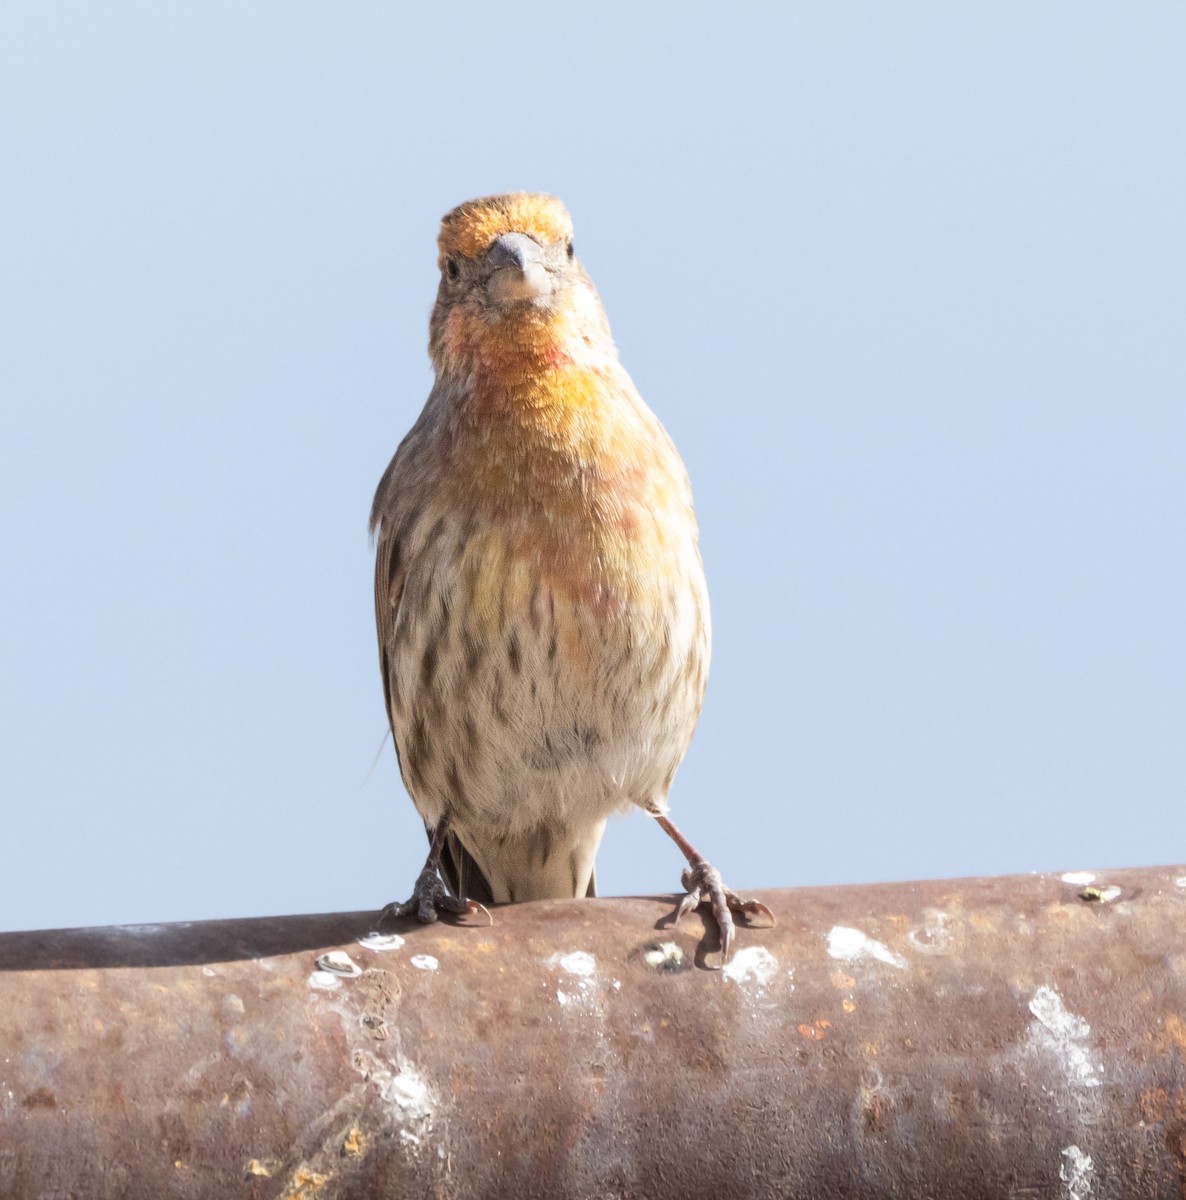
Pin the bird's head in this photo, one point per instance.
(511, 285)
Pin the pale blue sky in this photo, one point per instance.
(905, 282)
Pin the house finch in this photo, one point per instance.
(541, 606)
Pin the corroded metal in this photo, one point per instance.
(1014, 1037)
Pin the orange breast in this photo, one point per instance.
(574, 489)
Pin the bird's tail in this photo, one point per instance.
(546, 864)
(461, 872)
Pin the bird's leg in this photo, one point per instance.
(429, 898)
(704, 884)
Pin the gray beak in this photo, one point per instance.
(519, 270)
(514, 250)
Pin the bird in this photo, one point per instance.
(541, 605)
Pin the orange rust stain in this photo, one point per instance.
(816, 1030)
(1175, 1027)
(305, 1183)
(840, 980)
(355, 1142)
(848, 1006)
(1153, 1105)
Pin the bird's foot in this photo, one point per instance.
(429, 899)
(705, 886)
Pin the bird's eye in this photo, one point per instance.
(570, 252)
(452, 270)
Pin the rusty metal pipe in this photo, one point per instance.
(1014, 1037)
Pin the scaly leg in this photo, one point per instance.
(429, 897)
(704, 883)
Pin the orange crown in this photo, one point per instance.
(471, 227)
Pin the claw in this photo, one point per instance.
(704, 884)
(689, 902)
(472, 906)
(429, 899)
(749, 909)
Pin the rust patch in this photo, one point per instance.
(815, 1031)
(1175, 1027)
(305, 1183)
(506, 1100)
(354, 1143)
(1153, 1105)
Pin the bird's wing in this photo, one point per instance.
(392, 513)
(389, 587)
(458, 867)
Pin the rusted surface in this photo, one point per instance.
(1016, 1037)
